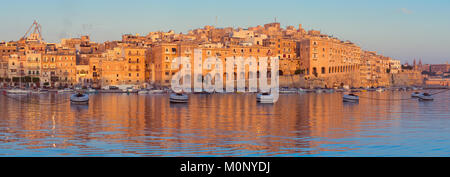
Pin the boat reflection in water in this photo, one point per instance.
(79, 107)
(227, 125)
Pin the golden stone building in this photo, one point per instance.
(119, 66)
(334, 61)
(315, 59)
(163, 54)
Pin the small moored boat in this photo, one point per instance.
(300, 90)
(319, 91)
(17, 91)
(91, 90)
(156, 91)
(66, 90)
(416, 94)
(264, 98)
(179, 98)
(425, 97)
(286, 90)
(143, 92)
(79, 98)
(350, 98)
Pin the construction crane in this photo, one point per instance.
(36, 34)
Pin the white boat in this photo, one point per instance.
(416, 94)
(156, 91)
(66, 90)
(350, 98)
(380, 90)
(425, 97)
(91, 90)
(329, 91)
(18, 91)
(264, 98)
(143, 92)
(79, 98)
(128, 90)
(319, 91)
(179, 98)
(43, 90)
(300, 90)
(288, 91)
(36, 92)
(40, 91)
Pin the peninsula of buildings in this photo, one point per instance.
(306, 59)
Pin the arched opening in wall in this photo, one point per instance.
(242, 75)
(280, 73)
(323, 70)
(342, 84)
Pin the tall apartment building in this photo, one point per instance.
(163, 54)
(329, 58)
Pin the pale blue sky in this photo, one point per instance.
(403, 29)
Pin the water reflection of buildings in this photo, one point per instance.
(331, 120)
(220, 124)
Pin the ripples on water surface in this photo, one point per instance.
(226, 125)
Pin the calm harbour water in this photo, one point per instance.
(225, 125)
